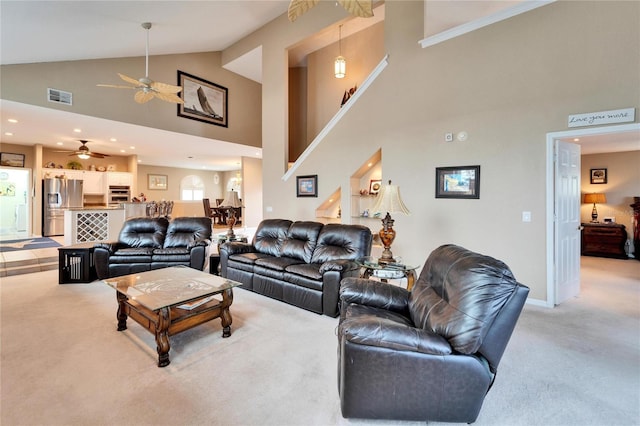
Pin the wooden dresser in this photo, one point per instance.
(604, 240)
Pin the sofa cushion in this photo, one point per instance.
(458, 295)
(338, 241)
(270, 236)
(301, 240)
(309, 270)
(173, 254)
(187, 231)
(144, 232)
(276, 263)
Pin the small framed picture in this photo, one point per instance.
(307, 186)
(11, 160)
(458, 182)
(157, 182)
(598, 176)
(374, 186)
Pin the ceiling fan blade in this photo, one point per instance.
(142, 97)
(299, 7)
(361, 8)
(97, 155)
(115, 86)
(131, 80)
(169, 97)
(165, 88)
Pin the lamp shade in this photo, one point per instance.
(389, 201)
(340, 67)
(231, 200)
(596, 198)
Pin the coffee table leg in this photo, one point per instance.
(162, 337)
(122, 313)
(225, 315)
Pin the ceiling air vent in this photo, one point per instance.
(59, 96)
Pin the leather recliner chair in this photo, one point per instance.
(432, 353)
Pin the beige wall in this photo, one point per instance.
(623, 183)
(506, 85)
(24, 83)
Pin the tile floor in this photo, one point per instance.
(28, 261)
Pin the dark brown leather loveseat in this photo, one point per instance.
(154, 243)
(431, 354)
(301, 263)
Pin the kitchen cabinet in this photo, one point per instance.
(119, 179)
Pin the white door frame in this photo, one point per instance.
(551, 138)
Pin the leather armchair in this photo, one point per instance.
(432, 353)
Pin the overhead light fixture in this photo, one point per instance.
(84, 156)
(340, 66)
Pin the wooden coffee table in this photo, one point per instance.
(171, 300)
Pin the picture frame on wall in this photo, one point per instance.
(458, 182)
(203, 100)
(598, 176)
(158, 182)
(11, 160)
(307, 186)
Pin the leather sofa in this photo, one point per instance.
(153, 243)
(300, 263)
(431, 354)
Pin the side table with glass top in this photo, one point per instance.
(214, 258)
(385, 272)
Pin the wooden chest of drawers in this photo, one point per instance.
(605, 240)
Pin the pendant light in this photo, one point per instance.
(340, 66)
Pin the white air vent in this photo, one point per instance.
(59, 96)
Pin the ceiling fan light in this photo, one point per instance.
(84, 156)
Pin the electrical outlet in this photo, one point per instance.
(448, 137)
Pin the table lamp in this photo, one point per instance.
(231, 202)
(595, 198)
(388, 201)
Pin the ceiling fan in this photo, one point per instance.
(147, 89)
(83, 152)
(361, 8)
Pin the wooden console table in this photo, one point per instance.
(604, 240)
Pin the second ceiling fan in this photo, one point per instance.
(147, 89)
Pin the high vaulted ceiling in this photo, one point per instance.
(46, 31)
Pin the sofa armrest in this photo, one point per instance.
(374, 293)
(110, 246)
(340, 265)
(371, 330)
(202, 242)
(236, 247)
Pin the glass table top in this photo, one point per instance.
(176, 285)
(371, 262)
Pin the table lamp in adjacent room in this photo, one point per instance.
(595, 198)
(388, 201)
(231, 202)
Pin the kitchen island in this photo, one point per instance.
(92, 224)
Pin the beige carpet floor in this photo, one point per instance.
(64, 363)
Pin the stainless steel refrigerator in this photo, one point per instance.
(59, 195)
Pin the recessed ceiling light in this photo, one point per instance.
(576, 139)
(12, 120)
(132, 147)
(59, 143)
(122, 150)
(8, 134)
(77, 130)
(139, 161)
(370, 164)
(113, 140)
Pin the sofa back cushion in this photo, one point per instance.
(186, 231)
(270, 236)
(301, 240)
(144, 232)
(338, 241)
(459, 294)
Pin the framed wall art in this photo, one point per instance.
(307, 186)
(458, 182)
(11, 160)
(598, 176)
(203, 100)
(157, 182)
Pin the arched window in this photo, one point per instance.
(191, 188)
